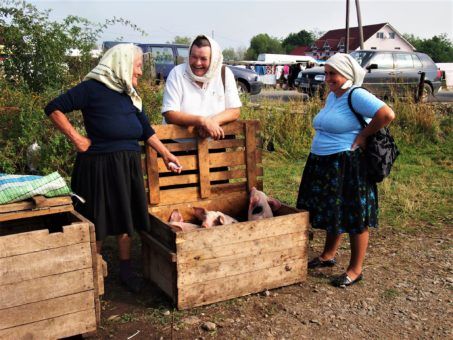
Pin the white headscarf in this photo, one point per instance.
(115, 71)
(348, 67)
(215, 65)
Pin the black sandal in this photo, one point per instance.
(317, 262)
(344, 280)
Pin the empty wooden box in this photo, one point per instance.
(209, 265)
(50, 274)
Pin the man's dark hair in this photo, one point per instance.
(201, 41)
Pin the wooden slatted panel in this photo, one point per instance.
(56, 328)
(180, 195)
(232, 204)
(171, 131)
(250, 140)
(44, 263)
(230, 234)
(264, 253)
(46, 287)
(46, 309)
(187, 162)
(203, 167)
(242, 284)
(226, 143)
(153, 175)
(39, 240)
(184, 146)
(213, 176)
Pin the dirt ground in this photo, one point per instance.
(406, 293)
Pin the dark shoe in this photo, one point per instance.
(317, 262)
(344, 280)
(133, 284)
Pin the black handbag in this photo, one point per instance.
(381, 150)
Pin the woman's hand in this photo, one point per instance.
(82, 144)
(360, 142)
(170, 161)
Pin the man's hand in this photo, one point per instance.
(211, 128)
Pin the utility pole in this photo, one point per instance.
(359, 21)
(347, 26)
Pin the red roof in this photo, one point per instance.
(354, 38)
(300, 50)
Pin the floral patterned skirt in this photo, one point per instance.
(335, 191)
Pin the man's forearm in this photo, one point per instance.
(227, 116)
(183, 119)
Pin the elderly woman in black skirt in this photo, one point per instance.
(334, 186)
(107, 171)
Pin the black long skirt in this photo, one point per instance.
(113, 187)
(336, 192)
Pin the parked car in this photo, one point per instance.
(388, 73)
(167, 56)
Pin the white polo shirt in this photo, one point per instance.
(184, 95)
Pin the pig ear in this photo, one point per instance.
(274, 203)
(199, 213)
(254, 201)
(220, 220)
(176, 216)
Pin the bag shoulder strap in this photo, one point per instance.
(359, 117)
(223, 77)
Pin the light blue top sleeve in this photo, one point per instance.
(336, 125)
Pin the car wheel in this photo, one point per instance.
(427, 93)
(242, 88)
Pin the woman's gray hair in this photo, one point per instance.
(137, 51)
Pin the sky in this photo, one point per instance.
(233, 23)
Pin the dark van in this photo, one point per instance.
(167, 56)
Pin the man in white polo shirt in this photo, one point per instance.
(194, 92)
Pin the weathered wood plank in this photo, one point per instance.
(8, 216)
(226, 143)
(171, 131)
(39, 240)
(252, 230)
(160, 231)
(56, 328)
(250, 138)
(47, 309)
(242, 284)
(152, 173)
(160, 268)
(30, 266)
(251, 247)
(152, 242)
(30, 204)
(233, 204)
(204, 271)
(203, 167)
(188, 162)
(44, 288)
(183, 146)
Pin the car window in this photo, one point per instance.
(183, 54)
(383, 60)
(162, 55)
(361, 57)
(417, 62)
(403, 60)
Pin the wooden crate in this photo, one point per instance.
(210, 265)
(50, 274)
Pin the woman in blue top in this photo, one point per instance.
(107, 172)
(334, 187)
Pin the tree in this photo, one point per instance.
(37, 47)
(439, 48)
(182, 40)
(263, 43)
(293, 40)
(229, 54)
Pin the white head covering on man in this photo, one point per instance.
(115, 71)
(348, 67)
(215, 65)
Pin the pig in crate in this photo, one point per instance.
(207, 265)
